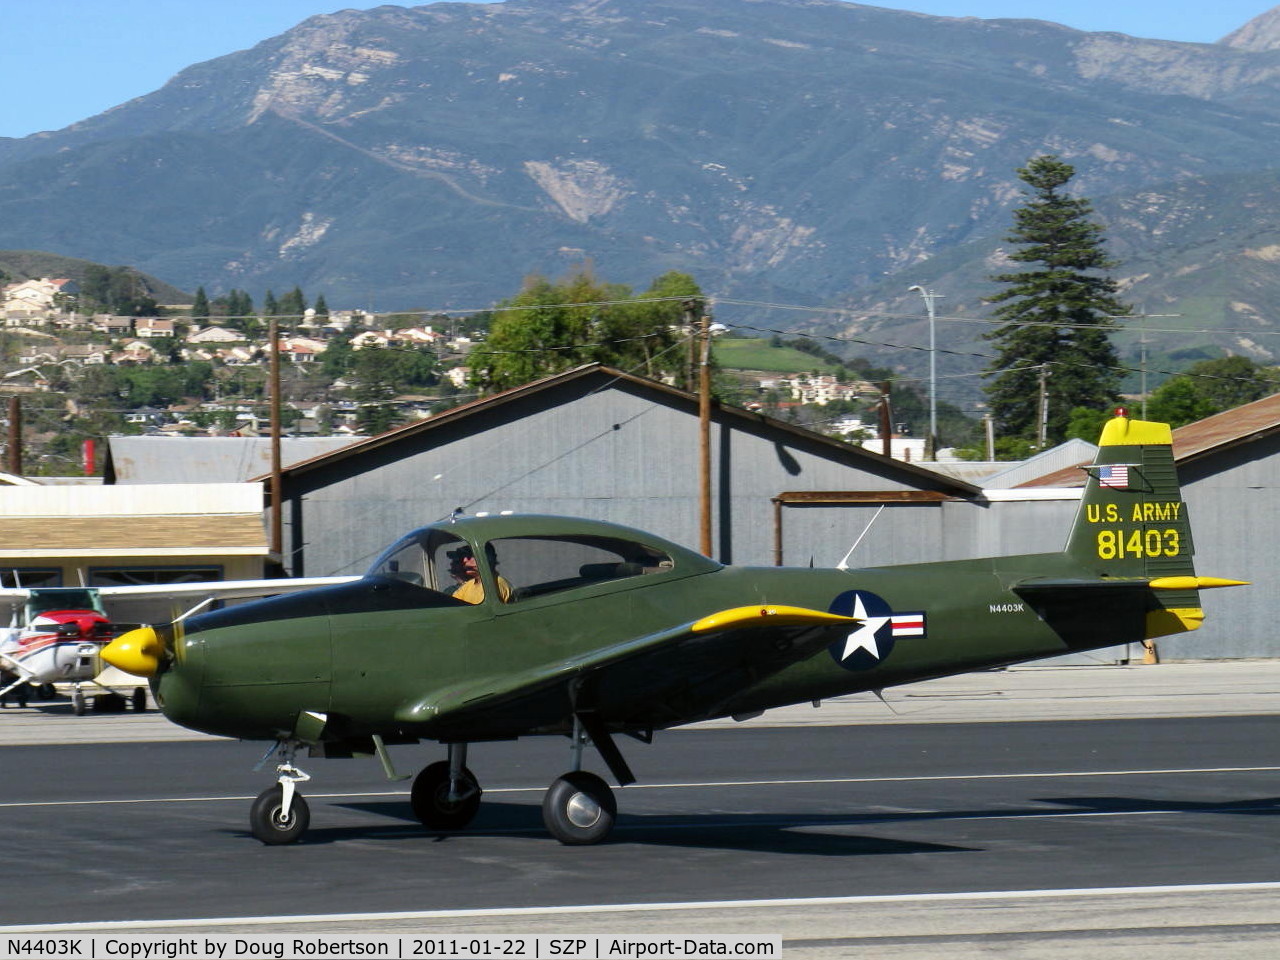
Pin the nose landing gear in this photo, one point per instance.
(280, 814)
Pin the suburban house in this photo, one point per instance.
(215, 334)
(151, 327)
(31, 299)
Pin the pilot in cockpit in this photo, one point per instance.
(466, 574)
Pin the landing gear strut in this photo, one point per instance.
(280, 814)
(579, 808)
(446, 795)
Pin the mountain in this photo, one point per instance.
(809, 152)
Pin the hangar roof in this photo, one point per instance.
(591, 377)
(204, 459)
(1195, 441)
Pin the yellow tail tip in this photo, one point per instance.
(137, 652)
(1194, 583)
(1120, 431)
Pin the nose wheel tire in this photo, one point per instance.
(579, 808)
(269, 825)
(430, 798)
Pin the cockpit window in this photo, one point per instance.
(537, 566)
(406, 561)
(63, 598)
(435, 560)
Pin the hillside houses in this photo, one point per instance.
(35, 300)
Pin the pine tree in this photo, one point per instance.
(292, 305)
(200, 306)
(1056, 317)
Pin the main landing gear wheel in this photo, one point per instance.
(579, 808)
(78, 703)
(138, 700)
(430, 798)
(270, 826)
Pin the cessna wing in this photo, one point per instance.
(218, 589)
(642, 683)
(205, 592)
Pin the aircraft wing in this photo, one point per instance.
(220, 589)
(217, 589)
(683, 673)
(198, 595)
(194, 594)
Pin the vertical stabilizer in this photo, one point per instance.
(1133, 521)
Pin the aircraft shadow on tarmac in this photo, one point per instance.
(1258, 806)
(804, 834)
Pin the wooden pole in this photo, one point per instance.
(704, 431)
(15, 436)
(277, 508)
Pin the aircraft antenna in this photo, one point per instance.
(844, 564)
(880, 696)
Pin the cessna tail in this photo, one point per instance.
(500, 627)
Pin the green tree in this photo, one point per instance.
(1086, 423)
(322, 308)
(200, 306)
(293, 304)
(551, 327)
(540, 331)
(1056, 316)
(1209, 387)
(118, 290)
(640, 337)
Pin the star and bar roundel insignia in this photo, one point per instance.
(873, 640)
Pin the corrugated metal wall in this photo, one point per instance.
(622, 456)
(610, 455)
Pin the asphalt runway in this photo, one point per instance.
(913, 839)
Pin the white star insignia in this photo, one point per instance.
(864, 638)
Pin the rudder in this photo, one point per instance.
(1133, 523)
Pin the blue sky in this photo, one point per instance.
(79, 57)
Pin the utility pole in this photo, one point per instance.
(1043, 435)
(15, 436)
(691, 324)
(931, 441)
(704, 435)
(886, 420)
(1142, 319)
(277, 508)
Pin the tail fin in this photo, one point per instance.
(1133, 523)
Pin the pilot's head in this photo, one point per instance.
(462, 561)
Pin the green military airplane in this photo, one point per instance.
(495, 628)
